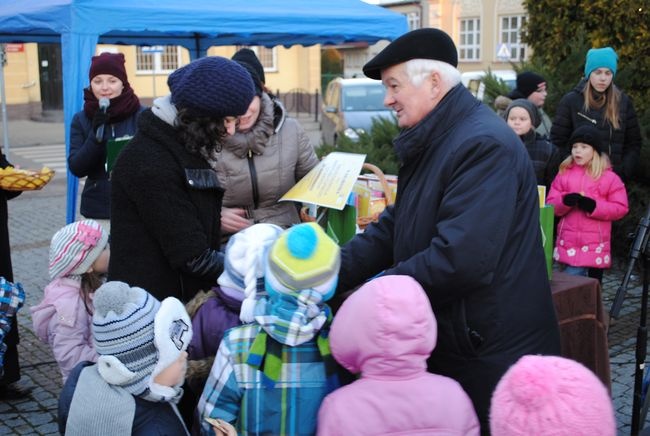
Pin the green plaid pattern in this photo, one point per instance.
(236, 392)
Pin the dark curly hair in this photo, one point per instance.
(201, 135)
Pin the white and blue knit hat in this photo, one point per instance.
(75, 248)
(136, 336)
(245, 259)
(302, 258)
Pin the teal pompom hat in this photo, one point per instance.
(604, 57)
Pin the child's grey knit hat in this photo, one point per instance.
(136, 336)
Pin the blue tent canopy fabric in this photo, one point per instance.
(194, 24)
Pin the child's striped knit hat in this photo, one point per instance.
(123, 330)
(303, 257)
(75, 247)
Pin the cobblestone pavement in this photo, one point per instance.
(35, 216)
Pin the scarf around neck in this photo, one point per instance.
(121, 107)
(291, 320)
(256, 138)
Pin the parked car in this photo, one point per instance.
(473, 80)
(349, 106)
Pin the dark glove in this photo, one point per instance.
(571, 199)
(100, 118)
(587, 204)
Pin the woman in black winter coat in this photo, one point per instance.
(9, 389)
(166, 199)
(599, 102)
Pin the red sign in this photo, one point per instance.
(14, 48)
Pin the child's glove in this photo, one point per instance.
(587, 204)
(571, 199)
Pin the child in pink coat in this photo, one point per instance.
(78, 261)
(386, 331)
(588, 195)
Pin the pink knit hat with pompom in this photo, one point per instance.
(550, 395)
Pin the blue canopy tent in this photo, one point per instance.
(194, 24)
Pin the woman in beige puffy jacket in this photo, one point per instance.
(267, 156)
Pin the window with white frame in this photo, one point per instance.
(511, 27)
(268, 57)
(413, 20)
(469, 47)
(159, 59)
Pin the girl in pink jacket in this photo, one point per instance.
(78, 262)
(386, 331)
(588, 195)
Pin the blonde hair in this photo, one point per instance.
(611, 99)
(595, 168)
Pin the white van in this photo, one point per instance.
(473, 80)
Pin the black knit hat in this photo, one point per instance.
(246, 55)
(587, 134)
(529, 82)
(212, 86)
(532, 110)
(259, 86)
(417, 44)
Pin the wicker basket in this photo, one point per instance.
(13, 179)
(363, 221)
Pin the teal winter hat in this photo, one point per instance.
(604, 57)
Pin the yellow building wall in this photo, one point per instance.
(298, 67)
(22, 84)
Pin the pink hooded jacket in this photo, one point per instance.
(584, 239)
(386, 331)
(61, 321)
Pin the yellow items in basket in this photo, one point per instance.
(15, 179)
(374, 192)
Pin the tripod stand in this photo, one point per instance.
(639, 248)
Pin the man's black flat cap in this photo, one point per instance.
(416, 44)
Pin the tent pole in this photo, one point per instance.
(5, 130)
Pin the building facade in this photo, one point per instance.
(487, 33)
(33, 73)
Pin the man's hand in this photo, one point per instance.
(234, 220)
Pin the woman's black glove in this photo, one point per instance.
(571, 199)
(100, 118)
(587, 204)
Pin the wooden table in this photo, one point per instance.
(583, 322)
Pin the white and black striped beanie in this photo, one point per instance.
(123, 331)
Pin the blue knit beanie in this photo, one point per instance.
(600, 58)
(212, 86)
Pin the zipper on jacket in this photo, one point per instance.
(251, 167)
(611, 133)
(591, 120)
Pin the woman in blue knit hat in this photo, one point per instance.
(166, 199)
(597, 101)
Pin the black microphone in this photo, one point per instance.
(104, 103)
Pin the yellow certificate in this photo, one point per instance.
(330, 182)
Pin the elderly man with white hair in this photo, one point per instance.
(466, 221)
